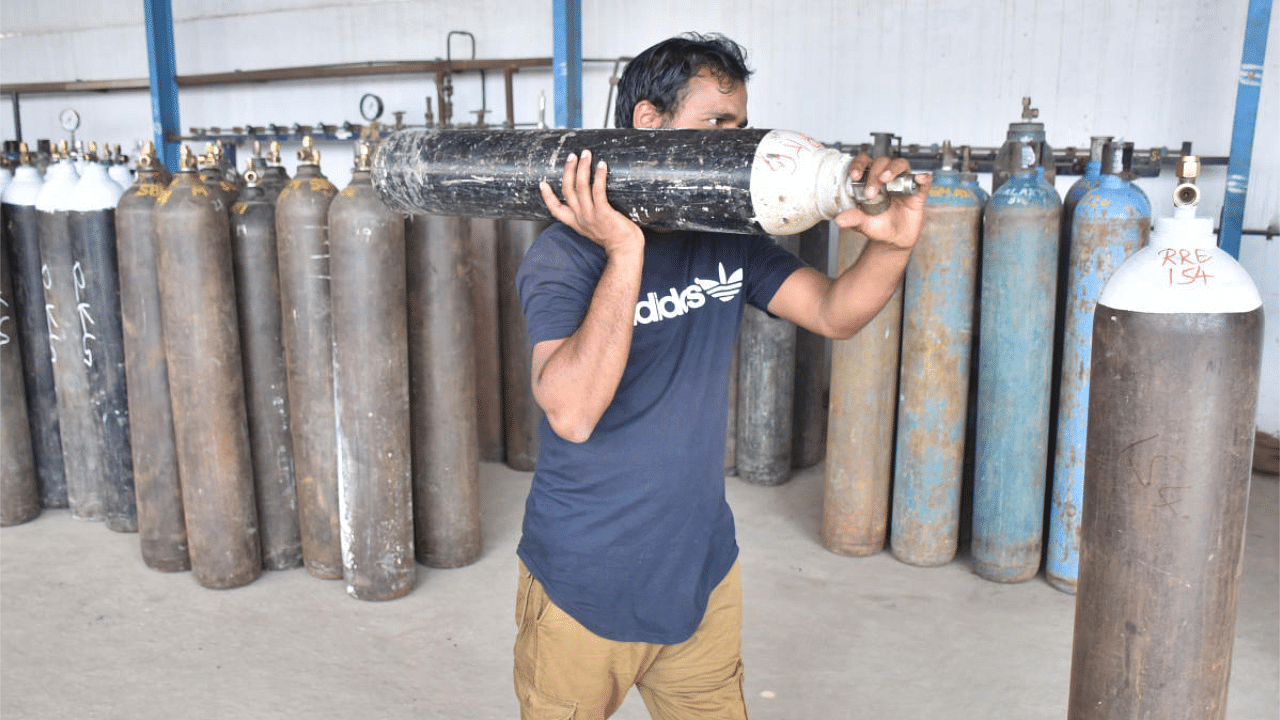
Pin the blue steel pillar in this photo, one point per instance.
(164, 83)
(1255, 50)
(567, 62)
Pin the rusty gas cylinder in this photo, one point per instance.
(206, 381)
(162, 529)
(302, 238)
(371, 379)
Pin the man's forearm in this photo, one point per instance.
(862, 290)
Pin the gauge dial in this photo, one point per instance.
(370, 107)
(69, 119)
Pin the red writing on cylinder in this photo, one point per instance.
(1186, 265)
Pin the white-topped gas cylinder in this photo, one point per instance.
(1176, 365)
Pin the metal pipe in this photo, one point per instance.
(1247, 92)
(162, 82)
(566, 19)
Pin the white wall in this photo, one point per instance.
(929, 70)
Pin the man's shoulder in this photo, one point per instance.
(558, 246)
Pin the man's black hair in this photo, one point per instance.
(660, 73)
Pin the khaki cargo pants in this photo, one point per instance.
(563, 671)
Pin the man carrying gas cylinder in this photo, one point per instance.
(628, 559)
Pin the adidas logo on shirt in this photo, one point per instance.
(726, 288)
(676, 302)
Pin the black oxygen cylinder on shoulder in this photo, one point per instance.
(206, 382)
(755, 181)
(253, 243)
(302, 246)
(371, 381)
(97, 278)
(162, 528)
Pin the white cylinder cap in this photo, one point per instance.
(58, 192)
(797, 181)
(1182, 270)
(96, 190)
(24, 187)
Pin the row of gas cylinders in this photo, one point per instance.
(996, 285)
(249, 377)
(907, 413)
(894, 429)
(958, 380)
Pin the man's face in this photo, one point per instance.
(710, 103)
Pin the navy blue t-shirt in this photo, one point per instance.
(629, 532)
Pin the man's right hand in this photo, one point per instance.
(586, 209)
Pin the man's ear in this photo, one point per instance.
(645, 115)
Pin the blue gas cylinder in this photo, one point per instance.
(933, 391)
(1111, 222)
(1019, 286)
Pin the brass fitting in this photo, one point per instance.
(308, 154)
(364, 155)
(1186, 194)
(186, 161)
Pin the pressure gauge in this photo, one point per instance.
(69, 119)
(370, 107)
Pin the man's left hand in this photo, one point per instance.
(900, 225)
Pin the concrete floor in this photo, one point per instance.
(87, 631)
